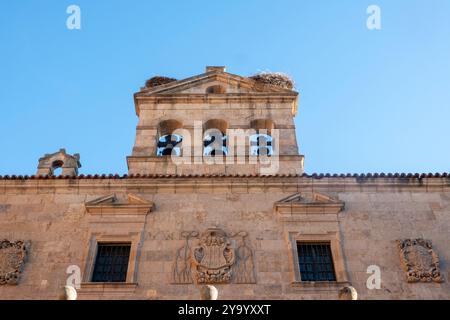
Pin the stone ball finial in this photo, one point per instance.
(209, 292)
(348, 293)
(68, 293)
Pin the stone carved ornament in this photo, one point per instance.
(12, 258)
(419, 260)
(213, 257)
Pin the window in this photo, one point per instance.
(315, 261)
(111, 263)
(169, 143)
(215, 138)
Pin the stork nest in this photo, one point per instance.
(275, 79)
(157, 81)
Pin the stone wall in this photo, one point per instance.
(51, 214)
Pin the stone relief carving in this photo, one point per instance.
(244, 270)
(419, 260)
(182, 266)
(12, 258)
(212, 257)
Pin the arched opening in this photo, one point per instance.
(168, 142)
(261, 143)
(215, 138)
(217, 89)
(168, 127)
(168, 145)
(57, 169)
(263, 124)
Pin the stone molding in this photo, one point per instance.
(135, 240)
(310, 207)
(96, 290)
(111, 207)
(317, 286)
(108, 217)
(192, 183)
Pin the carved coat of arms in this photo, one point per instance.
(213, 258)
(12, 258)
(419, 260)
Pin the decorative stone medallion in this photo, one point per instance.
(12, 258)
(213, 257)
(419, 260)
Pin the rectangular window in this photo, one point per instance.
(316, 261)
(111, 263)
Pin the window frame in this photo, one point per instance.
(98, 238)
(112, 244)
(333, 238)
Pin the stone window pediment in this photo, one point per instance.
(299, 205)
(112, 203)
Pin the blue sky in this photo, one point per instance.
(371, 101)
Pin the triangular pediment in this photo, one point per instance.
(109, 199)
(311, 198)
(233, 84)
(113, 202)
(309, 203)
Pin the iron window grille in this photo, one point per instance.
(316, 262)
(111, 263)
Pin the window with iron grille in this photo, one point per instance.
(316, 261)
(111, 263)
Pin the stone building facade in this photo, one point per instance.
(248, 221)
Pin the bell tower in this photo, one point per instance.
(216, 123)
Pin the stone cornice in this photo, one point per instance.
(200, 160)
(185, 126)
(222, 183)
(237, 98)
(228, 97)
(108, 289)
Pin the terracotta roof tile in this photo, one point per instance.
(160, 176)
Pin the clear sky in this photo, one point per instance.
(371, 100)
